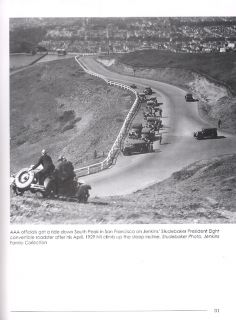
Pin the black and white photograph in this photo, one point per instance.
(118, 120)
(118, 149)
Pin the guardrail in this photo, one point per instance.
(106, 163)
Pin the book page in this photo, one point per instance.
(139, 98)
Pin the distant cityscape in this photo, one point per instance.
(114, 35)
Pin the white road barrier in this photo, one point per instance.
(106, 163)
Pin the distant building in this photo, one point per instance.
(222, 49)
(231, 45)
(207, 50)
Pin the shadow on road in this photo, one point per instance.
(213, 138)
(99, 203)
(193, 100)
(164, 143)
(65, 199)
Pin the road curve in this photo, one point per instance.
(179, 148)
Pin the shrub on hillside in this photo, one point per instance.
(71, 124)
(67, 116)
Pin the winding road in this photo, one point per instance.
(178, 148)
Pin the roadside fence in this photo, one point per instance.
(113, 153)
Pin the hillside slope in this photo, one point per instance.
(203, 192)
(57, 106)
(218, 66)
(210, 77)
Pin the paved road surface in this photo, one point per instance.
(179, 148)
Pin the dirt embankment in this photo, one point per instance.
(57, 106)
(203, 192)
(215, 100)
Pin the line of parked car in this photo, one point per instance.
(142, 134)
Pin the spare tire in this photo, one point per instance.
(24, 178)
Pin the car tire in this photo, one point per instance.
(24, 178)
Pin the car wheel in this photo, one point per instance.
(24, 178)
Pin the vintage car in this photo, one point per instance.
(147, 134)
(157, 107)
(154, 100)
(189, 97)
(61, 52)
(132, 146)
(26, 180)
(150, 103)
(148, 91)
(142, 97)
(208, 133)
(135, 131)
(146, 114)
(153, 120)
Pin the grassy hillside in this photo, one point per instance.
(219, 66)
(22, 60)
(203, 192)
(57, 106)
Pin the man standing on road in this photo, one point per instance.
(219, 123)
(160, 112)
